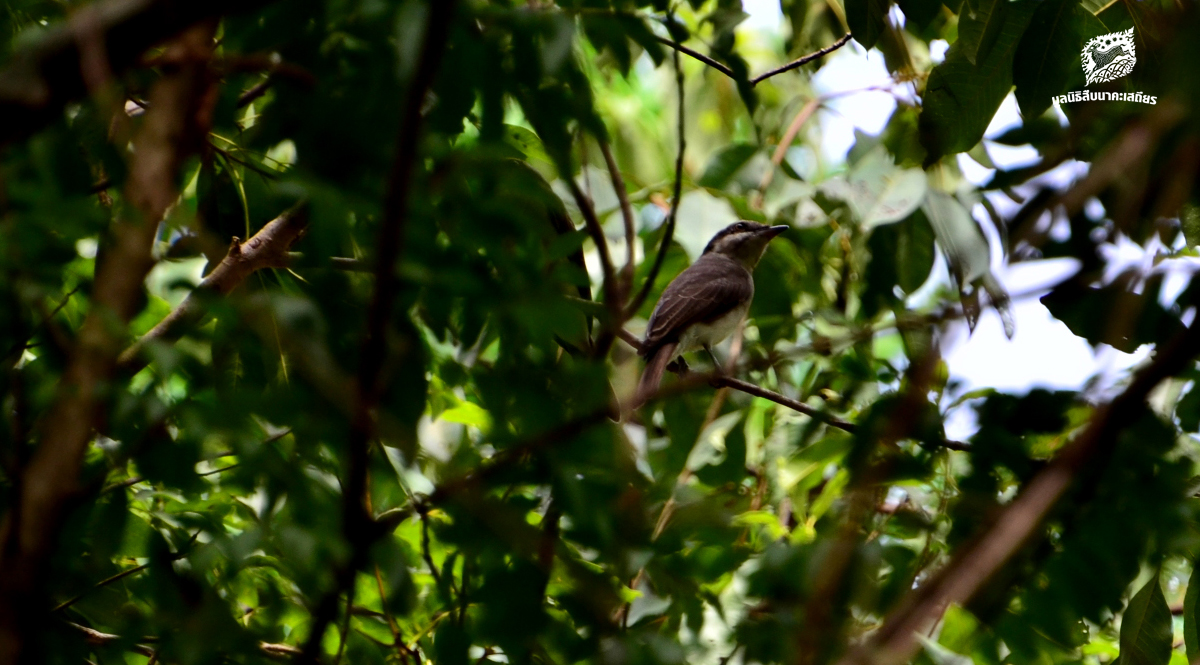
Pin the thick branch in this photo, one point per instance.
(895, 642)
(267, 249)
(43, 77)
(180, 100)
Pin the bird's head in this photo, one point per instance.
(744, 241)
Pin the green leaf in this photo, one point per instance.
(1048, 54)
(1191, 627)
(867, 20)
(878, 192)
(723, 165)
(961, 97)
(979, 28)
(1189, 220)
(468, 413)
(1146, 627)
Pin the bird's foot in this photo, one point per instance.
(679, 366)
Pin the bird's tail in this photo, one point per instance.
(656, 364)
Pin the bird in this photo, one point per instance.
(705, 303)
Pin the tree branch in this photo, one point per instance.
(800, 62)
(170, 131)
(358, 526)
(99, 639)
(697, 55)
(42, 78)
(895, 642)
(266, 249)
(635, 304)
(618, 183)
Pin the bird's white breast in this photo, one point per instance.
(700, 335)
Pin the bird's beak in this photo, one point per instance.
(772, 231)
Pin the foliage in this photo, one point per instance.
(399, 437)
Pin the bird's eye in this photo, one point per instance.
(741, 226)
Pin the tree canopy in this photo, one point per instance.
(321, 321)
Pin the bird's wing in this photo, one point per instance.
(708, 289)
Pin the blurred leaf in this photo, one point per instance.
(725, 163)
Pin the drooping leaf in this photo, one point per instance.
(867, 19)
(1146, 627)
(961, 97)
(1191, 621)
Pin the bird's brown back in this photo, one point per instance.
(711, 287)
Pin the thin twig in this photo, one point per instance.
(802, 61)
(103, 583)
(258, 90)
(618, 183)
(592, 225)
(337, 659)
(183, 551)
(698, 55)
(728, 381)
(795, 405)
(785, 142)
(635, 304)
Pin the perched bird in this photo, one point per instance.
(705, 303)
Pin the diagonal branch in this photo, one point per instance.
(799, 62)
(266, 249)
(626, 213)
(636, 302)
(697, 55)
(896, 642)
(170, 132)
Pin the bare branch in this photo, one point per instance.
(267, 249)
(618, 183)
(698, 55)
(800, 62)
(803, 60)
(635, 304)
(795, 405)
(99, 639)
